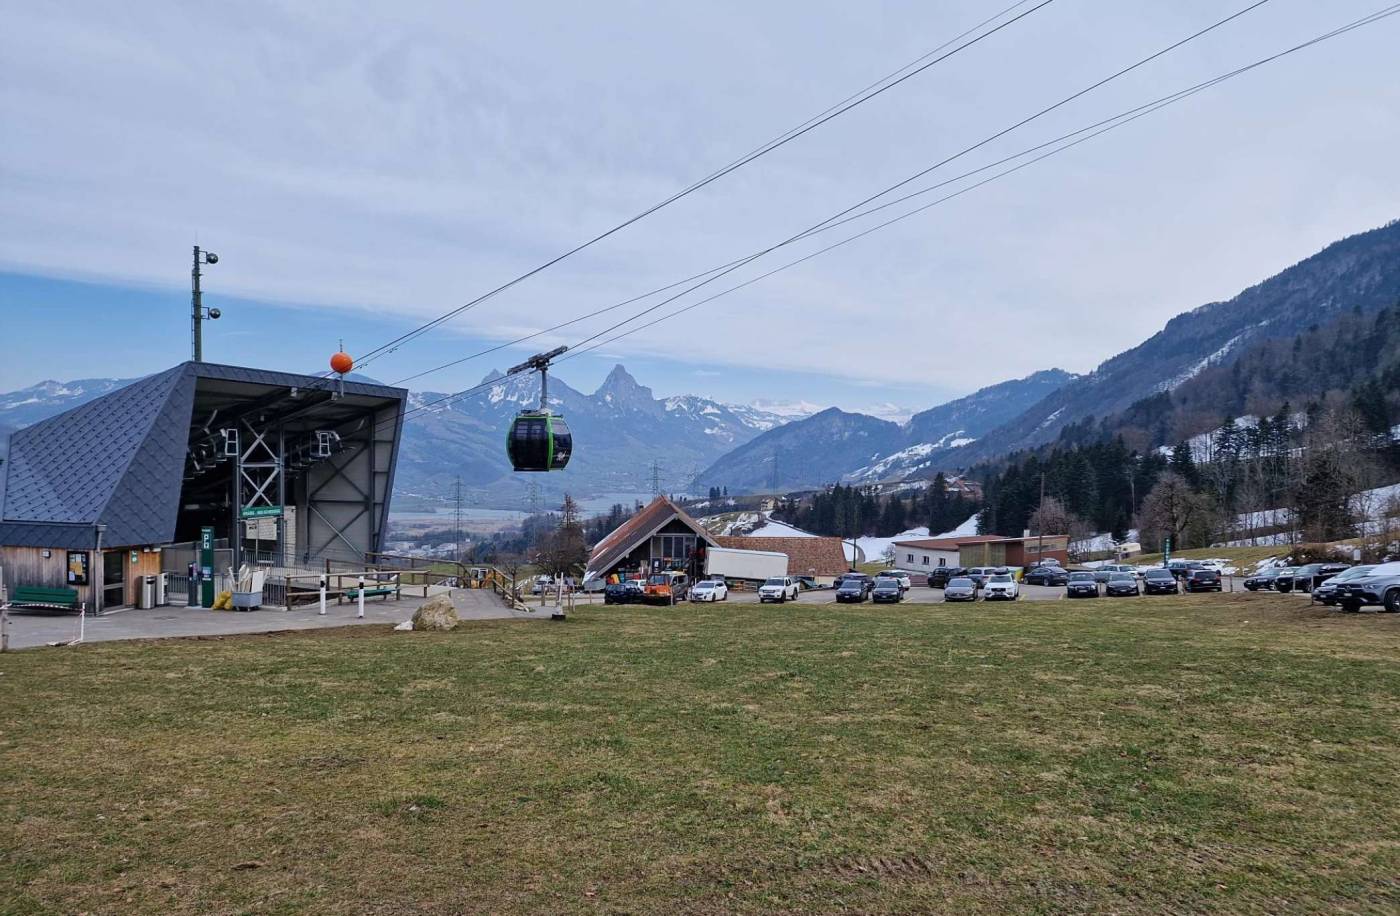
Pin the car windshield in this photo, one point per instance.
(1001, 578)
(960, 582)
(659, 580)
(1158, 574)
(705, 585)
(1121, 577)
(886, 582)
(774, 582)
(1081, 577)
(1356, 572)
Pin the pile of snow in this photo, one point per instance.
(772, 528)
(873, 548)
(966, 529)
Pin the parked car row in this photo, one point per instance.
(1295, 578)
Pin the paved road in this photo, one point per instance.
(28, 629)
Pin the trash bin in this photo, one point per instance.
(247, 601)
(148, 593)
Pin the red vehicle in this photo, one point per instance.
(665, 587)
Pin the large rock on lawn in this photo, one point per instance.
(437, 613)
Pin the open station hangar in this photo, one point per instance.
(201, 468)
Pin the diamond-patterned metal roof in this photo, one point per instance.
(107, 461)
(119, 460)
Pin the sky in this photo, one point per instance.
(361, 171)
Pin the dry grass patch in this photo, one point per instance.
(1235, 752)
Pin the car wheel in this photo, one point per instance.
(1392, 601)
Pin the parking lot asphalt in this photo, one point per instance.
(28, 629)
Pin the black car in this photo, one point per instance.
(1306, 577)
(1330, 592)
(939, 576)
(1283, 578)
(853, 589)
(1159, 581)
(1081, 585)
(1121, 584)
(887, 590)
(1202, 580)
(1047, 574)
(1262, 580)
(628, 592)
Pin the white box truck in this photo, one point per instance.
(751, 565)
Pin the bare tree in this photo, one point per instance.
(1174, 510)
(564, 551)
(1332, 474)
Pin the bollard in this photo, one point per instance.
(5, 629)
(323, 596)
(360, 596)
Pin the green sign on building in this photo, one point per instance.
(261, 511)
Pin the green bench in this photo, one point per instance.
(373, 591)
(28, 596)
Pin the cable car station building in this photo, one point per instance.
(288, 470)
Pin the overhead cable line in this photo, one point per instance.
(1105, 125)
(922, 172)
(709, 276)
(872, 91)
(1083, 135)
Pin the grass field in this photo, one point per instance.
(1206, 753)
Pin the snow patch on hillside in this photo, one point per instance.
(1195, 370)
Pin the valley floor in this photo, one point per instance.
(1210, 753)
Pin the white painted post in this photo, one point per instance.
(361, 596)
(323, 596)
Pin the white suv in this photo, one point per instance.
(1001, 586)
(779, 589)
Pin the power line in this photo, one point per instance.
(708, 276)
(919, 174)
(1125, 117)
(781, 140)
(1089, 133)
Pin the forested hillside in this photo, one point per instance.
(1303, 425)
(1198, 349)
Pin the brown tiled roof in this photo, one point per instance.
(947, 543)
(815, 556)
(623, 539)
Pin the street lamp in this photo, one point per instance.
(198, 313)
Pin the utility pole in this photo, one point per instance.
(457, 518)
(655, 477)
(198, 314)
(1040, 523)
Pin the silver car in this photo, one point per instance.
(960, 589)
